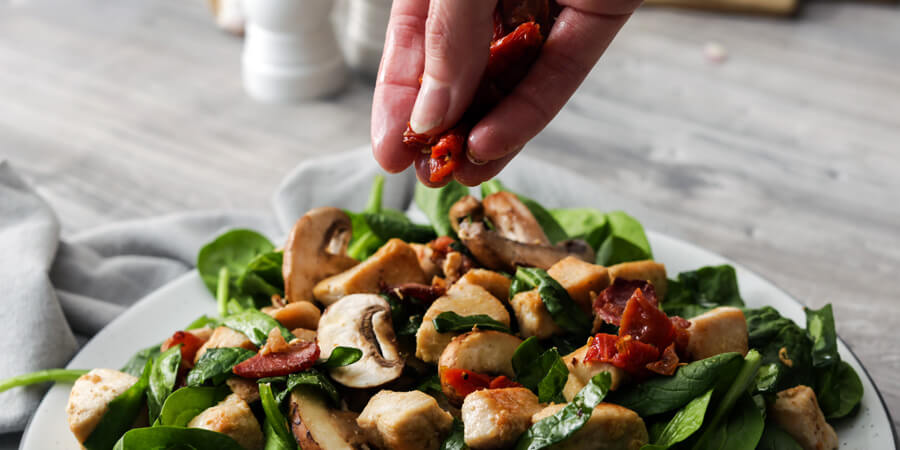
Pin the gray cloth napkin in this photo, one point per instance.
(57, 293)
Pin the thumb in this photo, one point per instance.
(457, 46)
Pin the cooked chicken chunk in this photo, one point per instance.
(394, 263)
(486, 352)
(797, 411)
(424, 253)
(404, 421)
(234, 418)
(647, 270)
(295, 315)
(493, 282)
(611, 427)
(90, 397)
(247, 390)
(463, 299)
(223, 337)
(495, 418)
(723, 329)
(532, 315)
(581, 372)
(580, 279)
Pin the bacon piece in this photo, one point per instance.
(299, 356)
(189, 346)
(646, 323)
(667, 363)
(610, 303)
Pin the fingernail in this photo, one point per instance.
(431, 106)
(473, 159)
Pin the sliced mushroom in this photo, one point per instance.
(315, 249)
(362, 321)
(317, 427)
(516, 240)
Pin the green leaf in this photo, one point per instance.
(216, 363)
(120, 414)
(262, 278)
(395, 224)
(274, 417)
(202, 321)
(341, 356)
(625, 241)
(411, 326)
(820, 327)
(779, 340)
(449, 322)
(775, 438)
(548, 223)
(135, 365)
(363, 242)
(168, 437)
(436, 203)
(542, 371)
(256, 325)
(431, 384)
(567, 421)
(698, 291)
(565, 313)
(274, 441)
(311, 378)
(184, 404)
(456, 439)
(233, 250)
(162, 379)
(41, 376)
(839, 390)
(740, 430)
(663, 394)
(685, 422)
(583, 223)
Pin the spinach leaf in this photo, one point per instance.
(274, 417)
(583, 223)
(753, 422)
(184, 404)
(774, 438)
(256, 326)
(839, 390)
(570, 419)
(700, 290)
(625, 241)
(820, 326)
(135, 365)
(685, 422)
(273, 440)
(740, 430)
(202, 321)
(162, 379)
(216, 363)
(120, 414)
(341, 356)
(411, 326)
(169, 437)
(785, 348)
(544, 372)
(432, 384)
(456, 440)
(262, 278)
(394, 224)
(311, 377)
(549, 224)
(663, 394)
(436, 203)
(449, 321)
(363, 242)
(561, 307)
(233, 251)
(41, 376)
(763, 324)
(517, 286)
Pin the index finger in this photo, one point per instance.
(398, 83)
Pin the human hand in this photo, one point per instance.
(446, 42)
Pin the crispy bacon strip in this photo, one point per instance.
(299, 356)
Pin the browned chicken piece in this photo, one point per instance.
(796, 410)
(463, 299)
(495, 418)
(721, 330)
(532, 316)
(426, 260)
(394, 263)
(295, 315)
(493, 282)
(580, 279)
(247, 390)
(646, 270)
(223, 337)
(482, 351)
(90, 397)
(404, 421)
(233, 418)
(581, 372)
(611, 427)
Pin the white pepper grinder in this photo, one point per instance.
(290, 51)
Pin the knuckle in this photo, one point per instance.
(438, 38)
(406, 31)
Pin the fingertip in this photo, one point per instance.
(488, 143)
(472, 175)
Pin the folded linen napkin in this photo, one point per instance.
(58, 293)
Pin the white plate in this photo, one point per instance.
(174, 306)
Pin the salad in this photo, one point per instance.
(499, 324)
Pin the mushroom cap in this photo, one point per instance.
(362, 321)
(316, 249)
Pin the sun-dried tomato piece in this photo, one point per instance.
(602, 348)
(646, 323)
(633, 355)
(610, 303)
(299, 356)
(189, 346)
(465, 382)
(667, 363)
(503, 382)
(512, 56)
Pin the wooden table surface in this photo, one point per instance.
(784, 158)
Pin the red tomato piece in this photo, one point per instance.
(465, 382)
(189, 346)
(299, 356)
(610, 304)
(503, 382)
(602, 348)
(633, 355)
(646, 323)
(667, 363)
